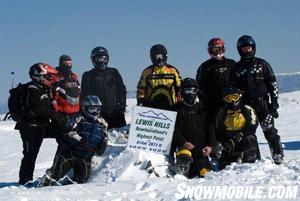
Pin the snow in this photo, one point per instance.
(117, 175)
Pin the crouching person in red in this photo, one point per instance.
(86, 134)
(192, 136)
(236, 125)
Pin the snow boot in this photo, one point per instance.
(276, 150)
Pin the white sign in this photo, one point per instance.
(151, 130)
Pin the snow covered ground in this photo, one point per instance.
(115, 177)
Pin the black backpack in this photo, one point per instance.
(17, 102)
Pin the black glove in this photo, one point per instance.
(237, 137)
(273, 108)
(217, 150)
(229, 145)
(140, 101)
(83, 143)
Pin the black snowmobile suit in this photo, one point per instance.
(108, 85)
(257, 82)
(192, 126)
(212, 76)
(41, 122)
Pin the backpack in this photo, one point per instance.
(17, 102)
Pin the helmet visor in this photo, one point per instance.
(101, 58)
(190, 90)
(232, 97)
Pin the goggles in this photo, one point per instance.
(93, 110)
(49, 77)
(232, 97)
(159, 56)
(191, 90)
(216, 50)
(101, 59)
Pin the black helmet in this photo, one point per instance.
(158, 54)
(43, 74)
(232, 97)
(100, 57)
(189, 90)
(91, 107)
(243, 41)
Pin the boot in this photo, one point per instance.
(276, 150)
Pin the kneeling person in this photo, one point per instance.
(86, 134)
(192, 137)
(236, 125)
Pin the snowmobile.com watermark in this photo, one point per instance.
(200, 192)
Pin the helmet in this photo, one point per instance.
(232, 97)
(189, 90)
(243, 41)
(43, 74)
(91, 107)
(158, 54)
(216, 48)
(100, 57)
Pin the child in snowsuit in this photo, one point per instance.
(86, 134)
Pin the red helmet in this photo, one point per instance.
(43, 74)
(216, 48)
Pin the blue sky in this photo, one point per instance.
(42, 30)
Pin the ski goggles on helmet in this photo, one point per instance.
(232, 97)
(216, 50)
(190, 90)
(101, 58)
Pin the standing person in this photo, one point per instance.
(66, 92)
(236, 124)
(159, 83)
(36, 123)
(192, 138)
(213, 75)
(106, 83)
(255, 77)
(86, 134)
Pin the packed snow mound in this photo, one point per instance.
(119, 173)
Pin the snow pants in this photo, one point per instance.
(65, 160)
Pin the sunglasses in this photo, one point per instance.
(217, 50)
(232, 97)
(191, 90)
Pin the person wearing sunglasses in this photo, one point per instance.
(236, 124)
(256, 78)
(192, 139)
(159, 83)
(213, 75)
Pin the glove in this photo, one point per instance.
(140, 101)
(217, 150)
(273, 108)
(237, 137)
(83, 143)
(229, 146)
